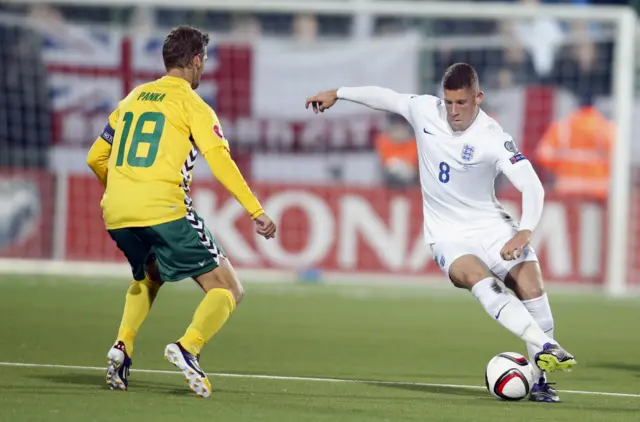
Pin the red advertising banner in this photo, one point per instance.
(26, 214)
(351, 230)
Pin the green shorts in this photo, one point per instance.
(183, 248)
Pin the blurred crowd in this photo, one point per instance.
(507, 53)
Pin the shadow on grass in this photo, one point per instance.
(97, 381)
(434, 389)
(627, 367)
(482, 397)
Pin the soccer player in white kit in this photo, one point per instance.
(476, 243)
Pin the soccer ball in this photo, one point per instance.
(509, 376)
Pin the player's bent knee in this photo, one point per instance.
(153, 273)
(533, 293)
(467, 270)
(232, 280)
(238, 295)
(222, 277)
(236, 292)
(528, 293)
(526, 281)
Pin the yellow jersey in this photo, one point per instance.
(155, 135)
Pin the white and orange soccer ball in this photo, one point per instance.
(509, 376)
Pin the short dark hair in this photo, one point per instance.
(460, 76)
(182, 45)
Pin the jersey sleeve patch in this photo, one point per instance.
(517, 157)
(218, 131)
(108, 133)
(511, 147)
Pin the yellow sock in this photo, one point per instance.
(140, 297)
(212, 313)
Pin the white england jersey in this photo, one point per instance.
(458, 170)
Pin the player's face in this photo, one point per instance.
(198, 68)
(462, 107)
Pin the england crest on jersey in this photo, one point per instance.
(467, 152)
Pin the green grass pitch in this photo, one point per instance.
(431, 344)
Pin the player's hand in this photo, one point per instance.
(512, 250)
(322, 101)
(265, 227)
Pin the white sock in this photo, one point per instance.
(541, 312)
(509, 311)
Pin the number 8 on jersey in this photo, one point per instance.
(444, 172)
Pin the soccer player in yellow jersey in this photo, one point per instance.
(145, 158)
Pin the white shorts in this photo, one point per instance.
(486, 247)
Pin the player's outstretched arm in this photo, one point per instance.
(208, 137)
(98, 158)
(225, 170)
(371, 96)
(525, 179)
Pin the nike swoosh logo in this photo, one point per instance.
(503, 306)
(195, 365)
(427, 132)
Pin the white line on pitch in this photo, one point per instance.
(289, 378)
